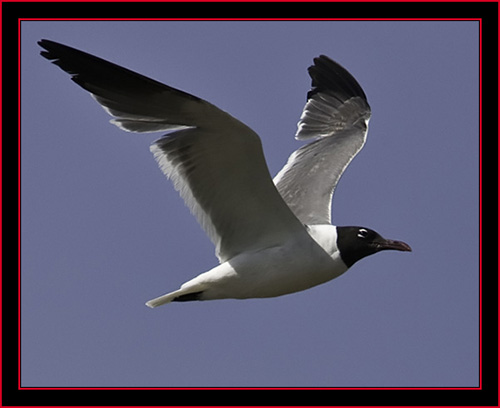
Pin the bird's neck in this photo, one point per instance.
(325, 236)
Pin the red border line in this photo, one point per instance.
(247, 19)
(263, 1)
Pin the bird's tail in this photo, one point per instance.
(181, 295)
(161, 300)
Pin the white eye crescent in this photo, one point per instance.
(362, 233)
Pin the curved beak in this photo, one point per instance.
(386, 244)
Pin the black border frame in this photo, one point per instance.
(12, 395)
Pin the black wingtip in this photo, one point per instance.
(52, 48)
(328, 75)
(45, 44)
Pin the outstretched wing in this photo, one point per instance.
(215, 161)
(336, 115)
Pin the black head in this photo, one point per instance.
(355, 243)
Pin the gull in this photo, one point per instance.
(272, 237)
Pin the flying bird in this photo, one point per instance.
(272, 237)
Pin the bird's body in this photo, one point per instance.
(292, 266)
(272, 237)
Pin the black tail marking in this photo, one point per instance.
(188, 297)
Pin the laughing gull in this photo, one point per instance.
(272, 237)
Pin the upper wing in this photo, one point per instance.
(336, 115)
(215, 161)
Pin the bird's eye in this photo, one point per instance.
(362, 233)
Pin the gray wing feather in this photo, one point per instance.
(336, 115)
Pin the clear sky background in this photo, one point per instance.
(103, 231)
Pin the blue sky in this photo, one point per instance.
(103, 230)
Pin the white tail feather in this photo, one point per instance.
(167, 298)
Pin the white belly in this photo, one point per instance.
(272, 271)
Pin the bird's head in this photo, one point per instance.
(355, 243)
